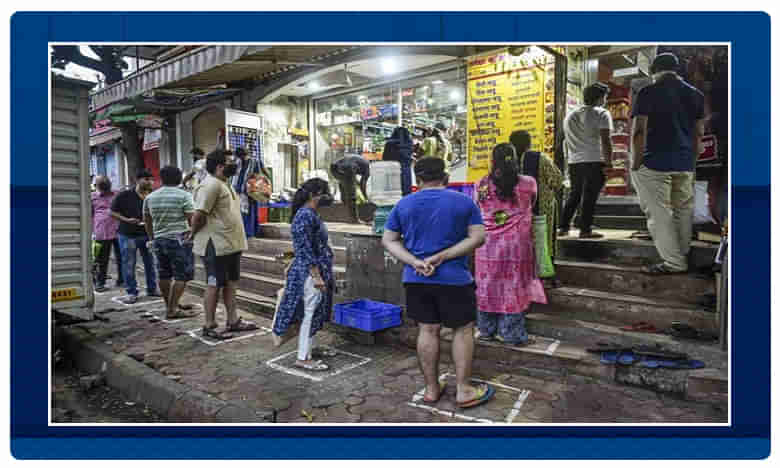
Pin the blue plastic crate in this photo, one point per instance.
(367, 315)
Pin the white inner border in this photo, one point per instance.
(390, 44)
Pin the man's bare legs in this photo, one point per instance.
(229, 299)
(428, 357)
(210, 305)
(175, 295)
(463, 355)
(165, 288)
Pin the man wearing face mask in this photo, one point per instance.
(127, 207)
(104, 228)
(218, 231)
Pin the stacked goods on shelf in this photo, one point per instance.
(619, 107)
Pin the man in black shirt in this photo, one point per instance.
(127, 207)
(668, 125)
(345, 170)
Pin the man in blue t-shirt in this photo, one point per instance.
(667, 132)
(433, 231)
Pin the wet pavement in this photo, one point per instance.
(72, 403)
(365, 383)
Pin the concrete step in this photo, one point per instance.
(623, 206)
(634, 223)
(265, 306)
(589, 333)
(268, 266)
(618, 248)
(274, 247)
(625, 279)
(337, 232)
(552, 358)
(338, 213)
(711, 385)
(549, 357)
(252, 282)
(624, 309)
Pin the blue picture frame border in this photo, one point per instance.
(746, 438)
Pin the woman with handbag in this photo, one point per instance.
(308, 293)
(507, 282)
(549, 181)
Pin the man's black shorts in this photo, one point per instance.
(221, 269)
(452, 306)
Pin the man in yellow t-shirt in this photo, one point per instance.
(218, 230)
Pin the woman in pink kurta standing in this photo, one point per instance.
(505, 266)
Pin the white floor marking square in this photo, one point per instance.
(321, 375)
(522, 396)
(161, 317)
(139, 303)
(259, 332)
(553, 346)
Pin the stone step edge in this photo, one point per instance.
(611, 331)
(627, 298)
(266, 306)
(263, 240)
(566, 355)
(266, 258)
(175, 401)
(623, 268)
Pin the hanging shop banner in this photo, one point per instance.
(507, 93)
(151, 138)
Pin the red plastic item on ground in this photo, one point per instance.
(262, 214)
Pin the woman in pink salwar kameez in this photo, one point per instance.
(505, 266)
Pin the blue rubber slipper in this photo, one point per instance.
(685, 364)
(650, 363)
(627, 358)
(609, 357)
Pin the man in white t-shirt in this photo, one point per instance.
(587, 138)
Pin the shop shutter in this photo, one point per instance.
(71, 223)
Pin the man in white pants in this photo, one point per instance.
(667, 132)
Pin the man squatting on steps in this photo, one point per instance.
(433, 231)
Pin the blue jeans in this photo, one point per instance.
(511, 327)
(128, 245)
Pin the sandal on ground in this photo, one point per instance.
(182, 315)
(241, 325)
(442, 387)
(186, 306)
(314, 366)
(606, 347)
(643, 327)
(661, 269)
(323, 353)
(484, 393)
(212, 332)
(658, 352)
(591, 235)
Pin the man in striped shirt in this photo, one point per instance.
(168, 216)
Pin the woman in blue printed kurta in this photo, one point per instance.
(308, 292)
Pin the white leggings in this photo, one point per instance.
(311, 299)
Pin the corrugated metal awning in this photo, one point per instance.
(178, 68)
(208, 66)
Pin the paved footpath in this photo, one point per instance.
(366, 383)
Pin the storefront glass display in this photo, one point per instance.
(355, 123)
(438, 99)
(359, 122)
